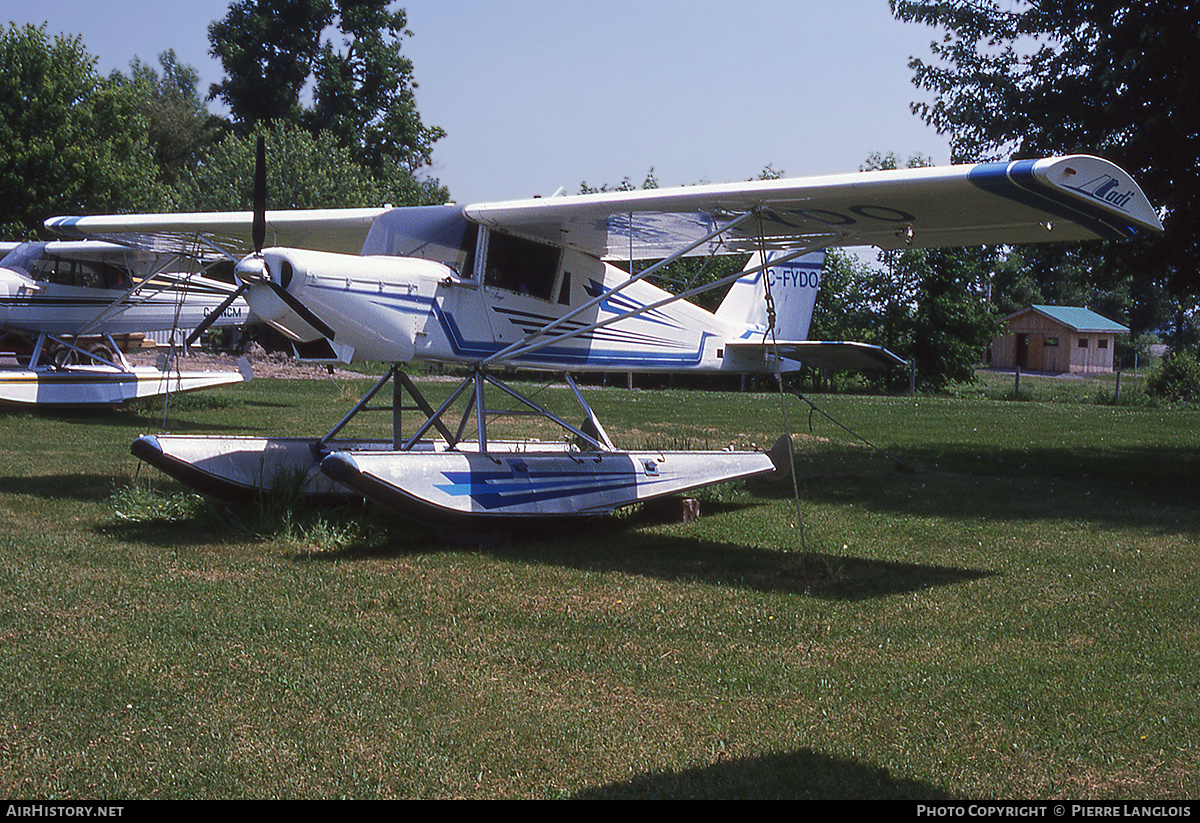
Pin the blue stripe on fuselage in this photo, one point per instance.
(571, 355)
(574, 356)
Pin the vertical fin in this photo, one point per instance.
(794, 286)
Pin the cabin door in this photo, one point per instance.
(1023, 351)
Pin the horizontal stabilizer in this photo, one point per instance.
(823, 354)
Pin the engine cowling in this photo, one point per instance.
(367, 307)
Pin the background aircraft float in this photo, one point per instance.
(531, 284)
(63, 302)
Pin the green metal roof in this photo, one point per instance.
(1080, 319)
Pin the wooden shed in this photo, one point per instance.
(1056, 339)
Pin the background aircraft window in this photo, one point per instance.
(115, 277)
(520, 265)
(76, 273)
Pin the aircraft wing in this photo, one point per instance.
(822, 354)
(1025, 201)
(98, 251)
(335, 230)
(23, 256)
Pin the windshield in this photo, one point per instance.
(439, 233)
(23, 258)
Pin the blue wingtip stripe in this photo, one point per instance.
(1017, 182)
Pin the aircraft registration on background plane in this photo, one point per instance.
(532, 284)
(62, 303)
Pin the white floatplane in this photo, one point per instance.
(64, 303)
(531, 284)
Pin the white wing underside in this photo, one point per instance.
(1071, 198)
(226, 234)
(1065, 198)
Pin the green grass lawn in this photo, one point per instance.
(1010, 613)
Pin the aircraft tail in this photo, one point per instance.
(793, 286)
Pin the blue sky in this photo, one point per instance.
(540, 94)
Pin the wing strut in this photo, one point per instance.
(115, 306)
(523, 346)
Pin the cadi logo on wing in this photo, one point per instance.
(1106, 189)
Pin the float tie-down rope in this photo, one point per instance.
(813, 408)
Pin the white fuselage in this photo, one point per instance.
(432, 285)
(397, 309)
(65, 310)
(61, 294)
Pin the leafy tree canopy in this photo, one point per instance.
(268, 48)
(1106, 77)
(179, 125)
(364, 89)
(363, 85)
(70, 141)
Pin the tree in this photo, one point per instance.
(844, 308)
(179, 125)
(70, 141)
(951, 322)
(1108, 77)
(364, 89)
(303, 172)
(268, 48)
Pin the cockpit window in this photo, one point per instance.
(521, 266)
(83, 273)
(34, 261)
(443, 234)
(24, 257)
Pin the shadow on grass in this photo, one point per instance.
(140, 420)
(1112, 487)
(83, 487)
(119, 417)
(812, 574)
(608, 544)
(171, 534)
(264, 404)
(175, 426)
(602, 544)
(802, 774)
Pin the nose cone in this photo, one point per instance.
(266, 277)
(251, 269)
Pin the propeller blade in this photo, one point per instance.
(259, 228)
(213, 315)
(301, 310)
